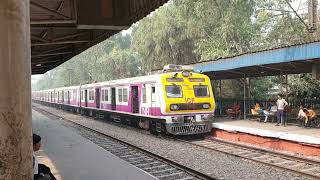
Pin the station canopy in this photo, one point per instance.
(61, 29)
(295, 59)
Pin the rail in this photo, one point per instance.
(156, 165)
(303, 166)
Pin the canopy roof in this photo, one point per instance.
(61, 29)
(294, 59)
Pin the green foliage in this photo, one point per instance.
(304, 87)
(188, 31)
(111, 59)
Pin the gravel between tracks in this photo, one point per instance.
(210, 162)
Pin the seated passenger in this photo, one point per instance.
(301, 116)
(256, 110)
(271, 111)
(234, 111)
(40, 171)
(310, 116)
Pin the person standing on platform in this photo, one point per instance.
(281, 104)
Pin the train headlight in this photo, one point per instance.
(174, 119)
(174, 107)
(206, 106)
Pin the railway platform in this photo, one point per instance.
(292, 139)
(73, 157)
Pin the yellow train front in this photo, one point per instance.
(187, 103)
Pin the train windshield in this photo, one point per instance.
(174, 91)
(201, 91)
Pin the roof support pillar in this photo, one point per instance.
(220, 96)
(244, 97)
(15, 91)
(316, 71)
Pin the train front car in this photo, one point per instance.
(189, 102)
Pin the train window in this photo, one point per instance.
(91, 95)
(120, 95)
(70, 96)
(106, 95)
(125, 94)
(74, 93)
(174, 91)
(196, 79)
(144, 95)
(102, 95)
(153, 92)
(201, 91)
(65, 95)
(174, 79)
(82, 95)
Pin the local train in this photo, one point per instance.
(176, 101)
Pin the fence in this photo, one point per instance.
(223, 104)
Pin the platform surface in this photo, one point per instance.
(290, 132)
(77, 158)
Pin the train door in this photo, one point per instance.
(68, 97)
(62, 97)
(135, 99)
(86, 98)
(97, 98)
(153, 99)
(113, 99)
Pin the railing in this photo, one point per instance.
(223, 104)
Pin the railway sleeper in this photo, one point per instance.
(155, 167)
(135, 158)
(311, 169)
(186, 178)
(169, 175)
(149, 164)
(141, 163)
(141, 160)
(131, 154)
(163, 170)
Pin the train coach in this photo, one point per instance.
(177, 101)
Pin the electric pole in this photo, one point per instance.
(312, 14)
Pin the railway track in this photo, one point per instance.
(158, 166)
(298, 165)
(302, 166)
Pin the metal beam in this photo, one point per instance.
(52, 50)
(42, 61)
(103, 27)
(57, 43)
(51, 54)
(70, 36)
(42, 22)
(44, 34)
(236, 72)
(39, 38)
(50, 11)
(276, 69)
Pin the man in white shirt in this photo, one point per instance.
(281, 104)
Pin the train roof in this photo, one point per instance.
(139, 79)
